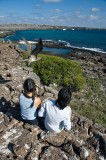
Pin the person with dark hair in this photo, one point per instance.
(57, 113)
(29, 103)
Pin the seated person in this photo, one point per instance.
(29, 103)
(56, 113)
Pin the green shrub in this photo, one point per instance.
(53, 69)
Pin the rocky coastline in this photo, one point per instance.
(4, 34)
(97, 69)
(18, 141)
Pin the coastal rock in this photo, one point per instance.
(54, 139)
(53, 153)
(5, 33)
(51, 90)
(85, 141)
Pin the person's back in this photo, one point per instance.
(57, 113)
(29, 103)
(28, 110)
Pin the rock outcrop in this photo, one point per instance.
(3, 33)
(18, 141)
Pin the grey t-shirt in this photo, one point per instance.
(55, 118)
(28, 111)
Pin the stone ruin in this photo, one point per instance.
(18, 141)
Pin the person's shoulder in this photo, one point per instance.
(49, 101)
(68, 109)
(21, 95)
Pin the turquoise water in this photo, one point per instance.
(54, 51)
(92, 39)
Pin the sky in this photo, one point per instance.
(74, 13)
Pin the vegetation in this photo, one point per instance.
(52, 69)
(25, 54)
(91, 103)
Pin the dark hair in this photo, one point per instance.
(64, 97)
(29, 86)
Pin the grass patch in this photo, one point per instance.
(92, 104)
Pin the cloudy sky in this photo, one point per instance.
(82, 13)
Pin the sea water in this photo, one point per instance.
(86, 39)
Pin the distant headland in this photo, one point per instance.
(35, 27)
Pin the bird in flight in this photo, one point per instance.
(39, 47)
(34, 53)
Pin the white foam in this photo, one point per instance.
(48, 40)
(85, 48)
(94, 49)
(30, 42)
(66, 44)
(62, 41)
(64, 29)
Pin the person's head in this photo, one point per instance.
(64, 97)
(29, 85)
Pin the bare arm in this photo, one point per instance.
(37, 102)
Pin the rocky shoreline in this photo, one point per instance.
(4, 34)
(18, 141)
(97, 69)
(85, 141)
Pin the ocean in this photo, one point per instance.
(87, 39)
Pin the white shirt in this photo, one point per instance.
(55, 119)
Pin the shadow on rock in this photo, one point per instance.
(2, 80)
